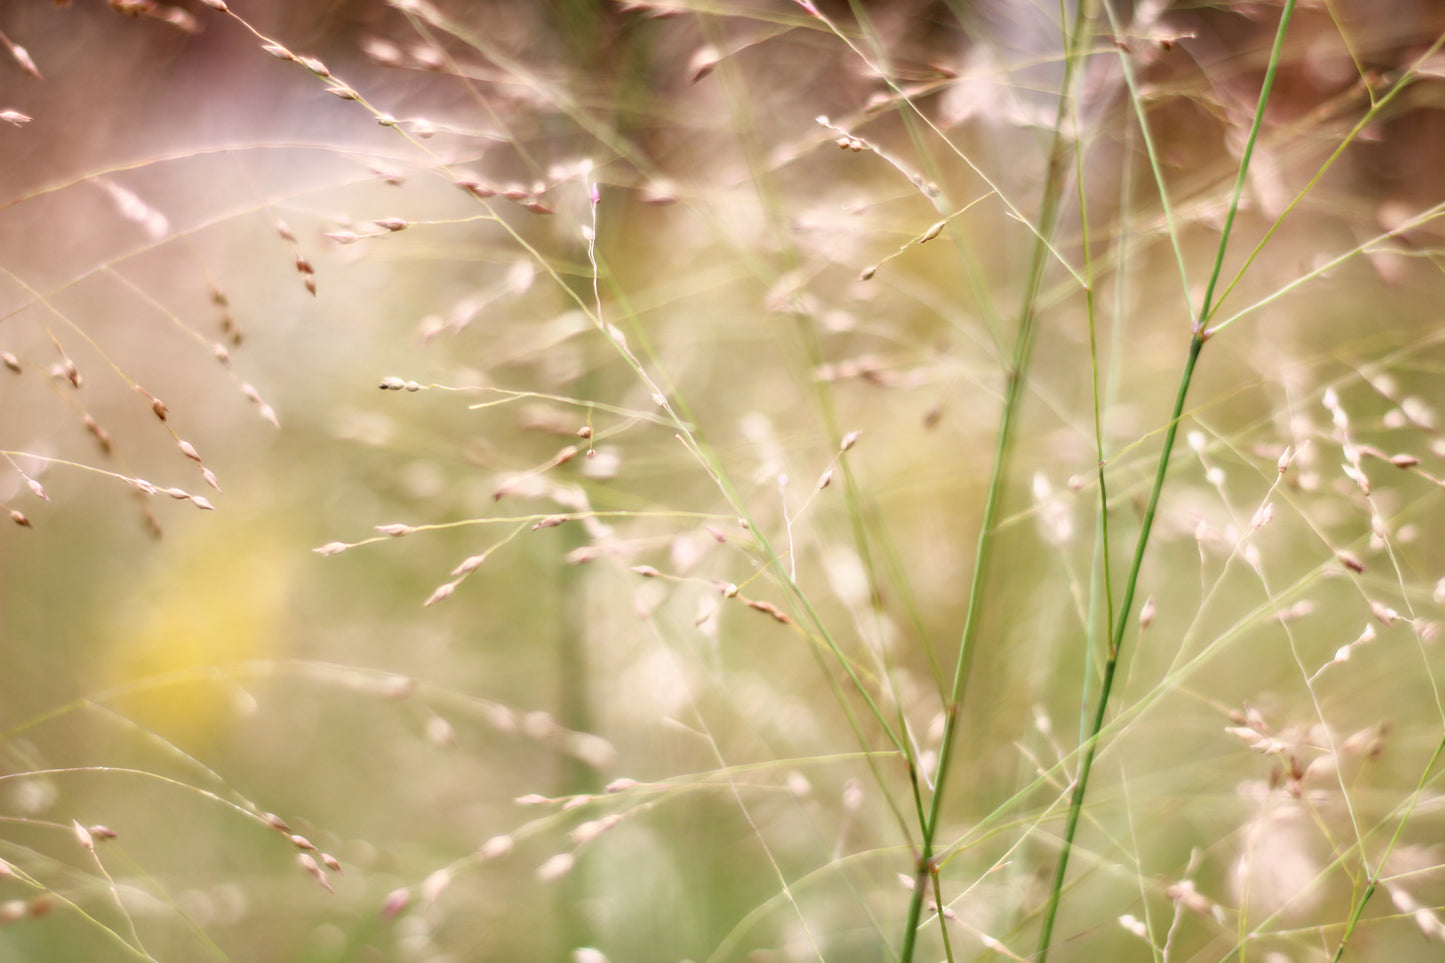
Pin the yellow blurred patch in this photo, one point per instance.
(214, 594)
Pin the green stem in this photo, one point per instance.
(1359, 908)
(925, 870)
(1116, 641)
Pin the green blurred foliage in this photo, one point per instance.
(177, 674)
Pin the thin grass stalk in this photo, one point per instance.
(697, 444)
(809, 338)
(1116, 641)
(1411, 75)
(1358, 909)
(980, 292)
(692, 436)
(1015, 381)
(1100, 581)
(1126, 69)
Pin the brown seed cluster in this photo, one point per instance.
(312, 860)
(176, 17)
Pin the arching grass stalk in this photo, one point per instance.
(1374, 881)
(1064, 141)
(1116, 639)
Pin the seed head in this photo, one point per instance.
(314, 65)
(308, 863)
(395, 902)
(82, 836)
(397, 687)
(72, 374)
(558, 866)
(439, 732)
(590, 830)
(1146, 614)
(769, 609)
(495, 847)
(436, 884)
(382, 51)
(469, 565)
(476, 188)
(1384, 613)
(1262, 517)
(102, 437)
(22, 57)
(704, 59)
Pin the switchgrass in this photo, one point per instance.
(732, 481)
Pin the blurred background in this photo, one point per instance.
(628, 275)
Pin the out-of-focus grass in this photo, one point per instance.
(754, 818)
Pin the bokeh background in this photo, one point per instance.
(591, 743)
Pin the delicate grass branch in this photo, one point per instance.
(1126, 604)
(1015, 380)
